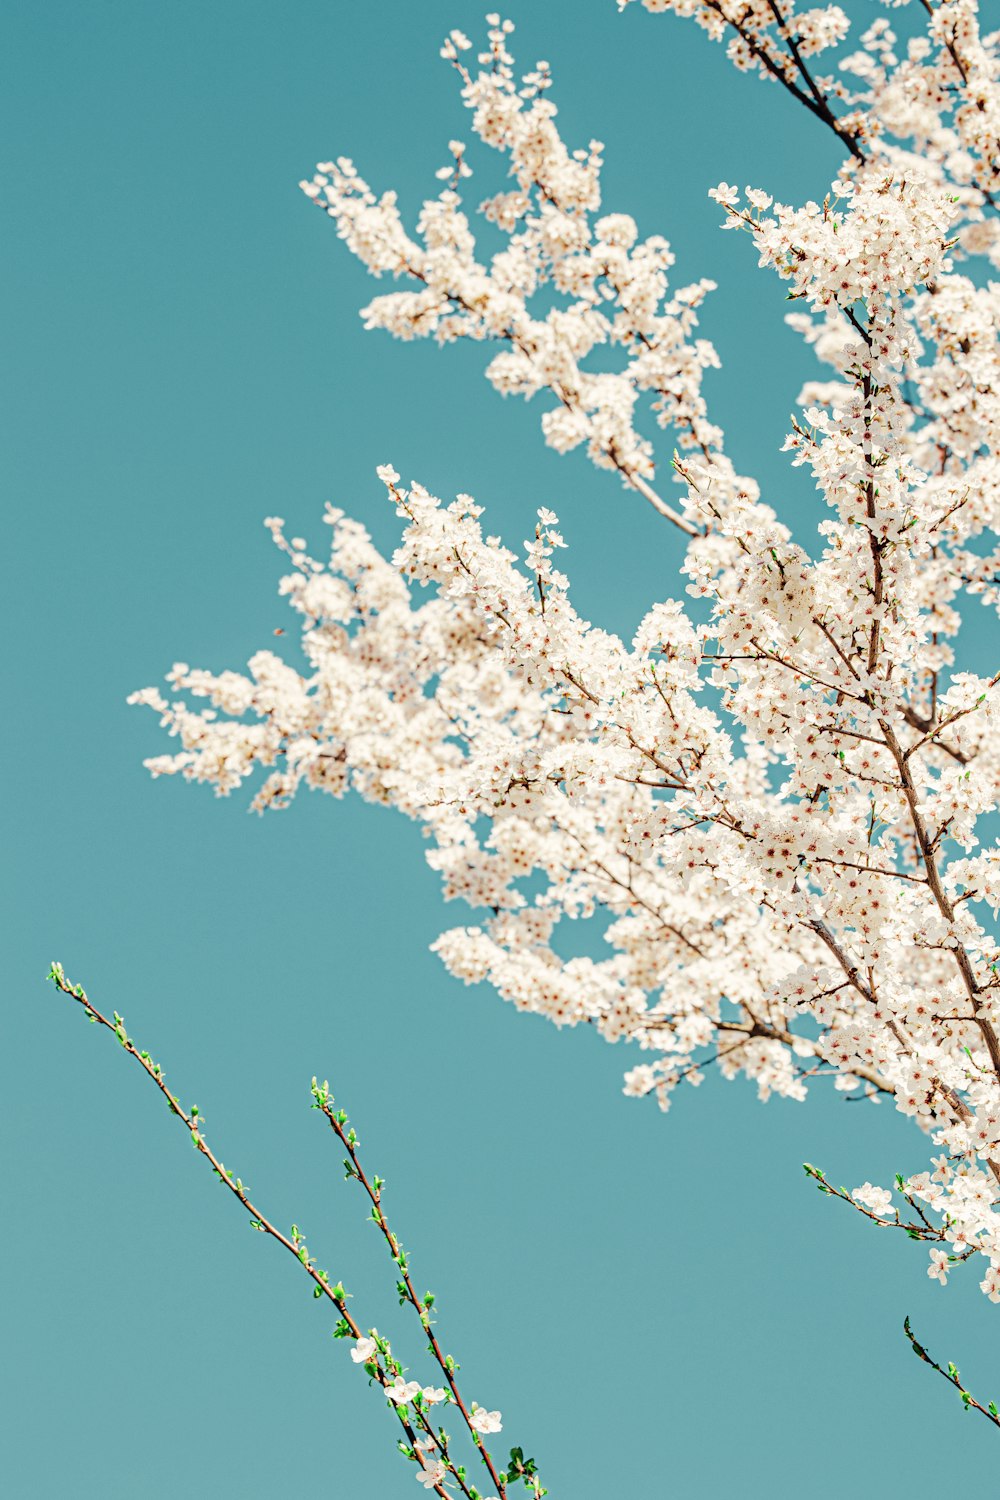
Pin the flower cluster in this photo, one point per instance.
(602, 285)
(793, 882)
(930, 105)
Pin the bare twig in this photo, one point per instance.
(952, 1376)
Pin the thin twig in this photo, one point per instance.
(952, 1376)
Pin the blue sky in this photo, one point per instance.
(659, 1305)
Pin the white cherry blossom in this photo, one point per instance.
(402, 1391)
(879, 1200)
(431, 1472)
(939, 1266)
(484, 1421)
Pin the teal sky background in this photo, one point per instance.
(659, 1305)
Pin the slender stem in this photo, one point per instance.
(296, 1245)
(811, 97)
(952, 1376)
(927, 854)
(357, 1171)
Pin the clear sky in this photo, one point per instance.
(659, 1305)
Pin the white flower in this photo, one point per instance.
(879, 1200)
(363, 1351)
(432, 1473)
(387, 474)
(938, 1268)
(991, 1283)
(725, 193)
(617, 229)
(401, 1391)
(432, 1394)
(483, 1420)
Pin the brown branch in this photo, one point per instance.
(813, 100)
(295, 1246)
(339, 1125)
(953, 1378)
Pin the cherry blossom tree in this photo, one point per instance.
(777, 795)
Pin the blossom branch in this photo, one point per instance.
(339, 1124)
(374, 1352)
